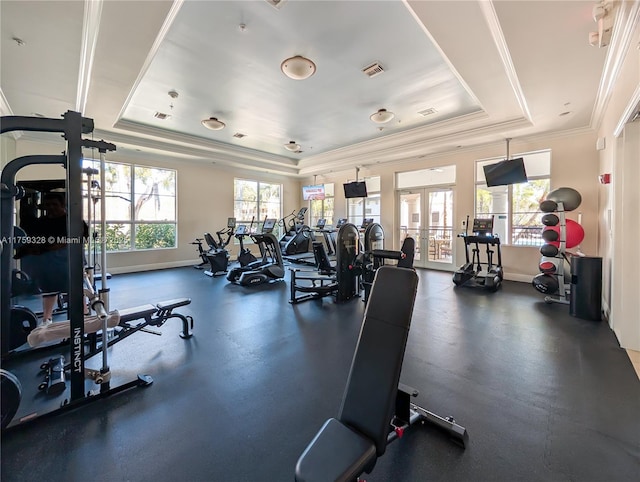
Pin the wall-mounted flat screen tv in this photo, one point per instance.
(505, 172)
(355, 189)
(310, 193)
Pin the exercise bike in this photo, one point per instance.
(218, 256)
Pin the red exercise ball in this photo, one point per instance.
(575, 234)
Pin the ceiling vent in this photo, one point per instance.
(427, 112)
(276, 3)
(373, 69)
(161, 115)
(238, 135)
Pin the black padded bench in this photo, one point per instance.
(157, 315)
(145, 316)
(374, 411)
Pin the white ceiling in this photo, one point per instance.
(491, 70)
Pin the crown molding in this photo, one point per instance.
(627, 18)
(198, 150)
(491, 17)
(208, 145)
(400, 139)
(171, 16)
(90, 29)
(630, 110)
(419, 145)
(5, 110)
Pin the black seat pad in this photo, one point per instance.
(336, 453)
(171, 304)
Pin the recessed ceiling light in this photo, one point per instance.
(298, 67)
(292, 146)
(213, 123)
(382, 116)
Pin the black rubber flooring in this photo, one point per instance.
(544, 396)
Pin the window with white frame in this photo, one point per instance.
(140, 206)
(322, 208)
(359, 209)
(255, 201)
(516, 207)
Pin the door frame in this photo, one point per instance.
(423, 243)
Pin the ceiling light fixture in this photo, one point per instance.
(292, 146)
(213, 124)
(382, 116)
(298, 68)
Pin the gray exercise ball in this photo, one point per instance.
(569, 197)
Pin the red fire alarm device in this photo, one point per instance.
(605, 178)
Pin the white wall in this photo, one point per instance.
(574, 163)
(619, 207)
(205, 201)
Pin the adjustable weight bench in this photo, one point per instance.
(151, 315)
(374, 411)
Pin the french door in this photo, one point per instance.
(426, 214)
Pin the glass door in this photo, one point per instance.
(427, 215)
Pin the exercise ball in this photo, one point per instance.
(549, 265)
(569, 197)
(550, 235)
(545, 283)
(550, 220)
(574, 233)
(548, 206)
(548, 250)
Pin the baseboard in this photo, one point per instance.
(150, 267)
(522, 278)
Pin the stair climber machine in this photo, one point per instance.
(270, 266)
(218, 256)
(473, 272)
(297, 236)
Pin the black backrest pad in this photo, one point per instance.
(370, 395)
(409, 249)
(322, 259)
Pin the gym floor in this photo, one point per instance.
(543, 395)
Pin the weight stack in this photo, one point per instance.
(585, 300)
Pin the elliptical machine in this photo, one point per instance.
(269, 268)
(245, 257)
(472, 273)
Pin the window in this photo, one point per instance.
(140, 206)
(322, 208)
(255, 201)
(368, 207)
(516, 207)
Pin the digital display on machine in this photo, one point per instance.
(268, 225)
(231, 222)
(355, 189)
(311, 193)
(505, 172)
(321, 223)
